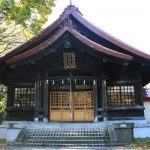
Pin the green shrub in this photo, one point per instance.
(3, 99)
(141, 142)
(2, 141)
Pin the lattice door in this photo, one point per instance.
(79, 109)
(83, 106)
(60, 106)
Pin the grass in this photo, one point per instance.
(141, 142)
(2, 141)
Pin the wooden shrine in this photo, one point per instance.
(74, 72)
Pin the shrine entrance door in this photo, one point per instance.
(71, 106)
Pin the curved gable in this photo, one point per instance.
(77, 35)
(64, 20)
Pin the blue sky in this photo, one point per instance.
(127, 20)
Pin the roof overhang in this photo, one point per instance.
(109, 37)
(84, 40)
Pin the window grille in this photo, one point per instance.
(121, 95)
(24, 97)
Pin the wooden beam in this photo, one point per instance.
(77, 77)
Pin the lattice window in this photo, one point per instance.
(79, 99)
(89, 99)
(56, 99)
(59, 100)
(121, 95)
(24, 97)
(65, 99)
(69, 60)
(84, 99)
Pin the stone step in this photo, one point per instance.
(60, 130)
(67, 145)
(66, 133)
(68, 140)
(69, 135)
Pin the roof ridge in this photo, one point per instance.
(68, 10)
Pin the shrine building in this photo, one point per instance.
(74, 72)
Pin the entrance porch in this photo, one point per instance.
(69, 99)
(74, 99)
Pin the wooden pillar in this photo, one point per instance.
(36, 113)
(10, 96)
(99, 101)
(37, 97)
(95, 99)
(70, 99)
(104, 99)
(45, 119)
(138, 93)
(10, 101)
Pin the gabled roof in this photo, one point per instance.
(64, 24)
(78, 36)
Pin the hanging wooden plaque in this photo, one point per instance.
(69, 60)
